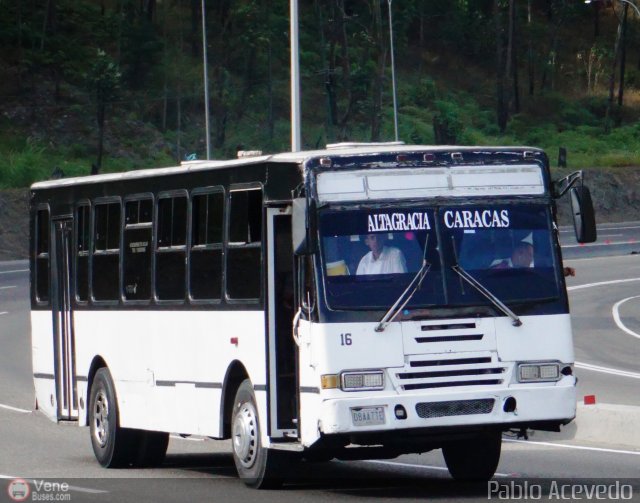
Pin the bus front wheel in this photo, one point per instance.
(257, 467)
(474, 460)
(111, 444)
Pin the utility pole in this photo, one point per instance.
(206, 79)
(295, 77)
(393, 73)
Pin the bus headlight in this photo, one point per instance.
(538, 372)
(362, 381)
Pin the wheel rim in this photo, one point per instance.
(101, 418)
(245, 435)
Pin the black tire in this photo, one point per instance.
(474, 460)
(113, 446)
(152, 448)
(257, 467)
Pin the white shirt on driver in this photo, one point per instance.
(390, 261)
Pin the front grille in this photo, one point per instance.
(427, 410)
(480, 370)
(450, 338)
(453, 361)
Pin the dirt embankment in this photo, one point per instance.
(14, 224)
(615, 193)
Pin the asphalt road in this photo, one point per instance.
(607, 364)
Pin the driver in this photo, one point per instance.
(382, 259)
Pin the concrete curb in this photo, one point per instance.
(603, 423)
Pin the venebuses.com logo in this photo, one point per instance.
(38, 490)
(18, 490)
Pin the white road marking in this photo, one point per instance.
(630, 242)
(616, 316)
(423, 467)
(604, 257)
(15, 409)
(72, 488)
(15, 270)
(609, 235)
(613, 228)
(4, 312)
(606, 370)
(601, 283)
(7, 287)
(568, 446)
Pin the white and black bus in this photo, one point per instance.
(362, 301)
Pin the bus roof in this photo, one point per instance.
(336, 150)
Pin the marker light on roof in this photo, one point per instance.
(402, 158)
(429, 157)
(325, 162)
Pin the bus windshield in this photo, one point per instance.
(371, 255)
(508, 249)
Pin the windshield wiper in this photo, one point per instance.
(481, 288)
(413, 287)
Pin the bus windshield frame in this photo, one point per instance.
(370, 253)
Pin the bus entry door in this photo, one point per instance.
(283, 356)
(63, 334)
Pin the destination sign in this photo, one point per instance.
(476, 219)
(397, 221)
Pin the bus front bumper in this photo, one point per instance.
(521, 405)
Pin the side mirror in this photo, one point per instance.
(302, 237)
(584, 218)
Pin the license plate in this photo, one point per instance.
(367, 416)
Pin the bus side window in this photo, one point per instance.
(42, 255)
(136, 256)
(171, 246)
(83, 231)
(244, 249)
(106, 251)
(205, 261)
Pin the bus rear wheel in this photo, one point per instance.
(257, 467)
(474, 460)
(112, 445)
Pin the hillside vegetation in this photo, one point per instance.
(114, 85)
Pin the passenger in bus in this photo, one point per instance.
(522, 256)
(382, 259)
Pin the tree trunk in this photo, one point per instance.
(100, 121)
(196, 40)
(623, 58)
(179, 122)
(514, 57)
(270, 107)
(328, 83)
(530, 61)
(20, 56)
(381, 56)
(220, 110)
(45, 23)
(612, 78)
(165, 58)
(502, 112)
(346, 66)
